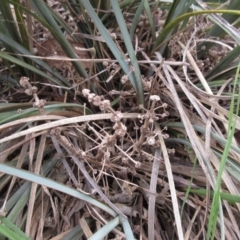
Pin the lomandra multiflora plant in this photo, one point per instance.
(119, 119)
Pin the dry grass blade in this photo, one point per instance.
(74, 155)
(197, 146)
(86, 229)
(172, 188)
(19, 165)
(196, 68)
(65, 122)
(232, 188)
(152, 196)
(202, 80)
(188, 232)
(101, 166)
(55, 213)
(64, 161)
(225, 177)
(37, 168)
(61, 235)
(209, 154)
(30, 119)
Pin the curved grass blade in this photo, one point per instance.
(224, 63)
(188, 190)
(165, 32)
(136, 18)
(9, 21)
(225, 25)
(105, 34)
(127, 229)
(21, 25)
(103, 232)
(217, 31)
(51, 29)
(150, 19)
(42, 9)
(216, 198)
(33, 111)
(55, 185)
(232, 199)
(232, 168)
(10, 234)
(20, 49)
(75, 233)
(26, 65)
(20, 198)
(131, 52)
(177, 9)
(13, 227)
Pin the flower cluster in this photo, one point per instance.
(104, 105)
(96, 100)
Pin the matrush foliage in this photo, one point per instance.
(119, 119)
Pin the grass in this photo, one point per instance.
(119, 119)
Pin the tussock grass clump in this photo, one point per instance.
(119, 120)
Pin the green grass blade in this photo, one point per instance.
(110, 43)
(225, 26)
(7, 232)
(21, 25)
(126, 3)
(136, 18)
(19, 206)
(17, 232)
(89, 29)
(203, 130)
(217, 31)
(165, 32)
(177, 9)
(103, 232)
(232, 199)
(150, 19)
(30, 111)
(16, 197)
(57, 33)
(8, 79)
(231, 129)
(13, 74)
(20, 49)
(224, 63)
(101, 6)
(189, 186)
(19, 199)
(9, 21)
(62, 23)
(51, 29)
(127, 229)
(130, 49)
(55, 185)
(232, 167)
(75, 233)
(25, 65)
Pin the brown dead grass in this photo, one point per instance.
(131, 157)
